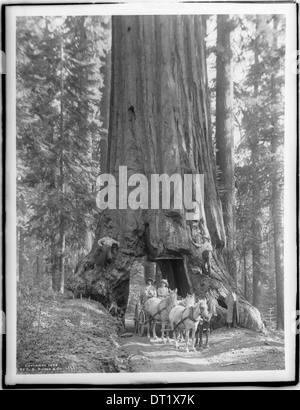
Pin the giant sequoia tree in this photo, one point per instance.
(159, 123)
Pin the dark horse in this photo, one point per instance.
(205, 325)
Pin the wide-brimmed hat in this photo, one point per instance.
(164, 281)
(152, 280)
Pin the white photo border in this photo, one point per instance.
(290, 200)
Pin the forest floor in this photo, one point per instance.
(229, 350)
(63, 335)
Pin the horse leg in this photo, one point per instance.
(177, 332)
(189, 332)
(154, 329)
(175, 336)
(163, 326)
(207, 331)
(193, 339)
(201, 337)
(197, 335)
(148, 327)
(174, 333)
(187, 339)
(183, 335)
(166, 323)
(165, 332)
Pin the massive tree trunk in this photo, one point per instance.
(224, 137)
(159, 123)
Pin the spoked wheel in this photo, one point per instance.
(141, 323)
(136, 318)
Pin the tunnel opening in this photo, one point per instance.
(173, 270)
(222, 302)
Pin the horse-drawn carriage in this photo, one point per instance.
(172, 315)
(154, 311)
(139, 320)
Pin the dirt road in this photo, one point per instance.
(229, 350)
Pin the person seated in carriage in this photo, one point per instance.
(163, 291)
(148, 292)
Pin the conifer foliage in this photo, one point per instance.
(257, 50)
(59, 90)
(259, 159)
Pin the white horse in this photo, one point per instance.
(187, 318)
(189, 300)
(155, 308)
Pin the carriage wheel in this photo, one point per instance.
(141, 323)
(136, 318)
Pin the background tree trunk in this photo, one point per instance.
(104, 108)
(21, 240)
(256, 226)
(21, 248)
(277, 201)
(62, 236)
(224, 137)
(37, 271)
(160, 123)
(245, 275)
(53, 263)
(256, 262)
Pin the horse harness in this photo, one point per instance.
(157, 313)
(190, 317)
